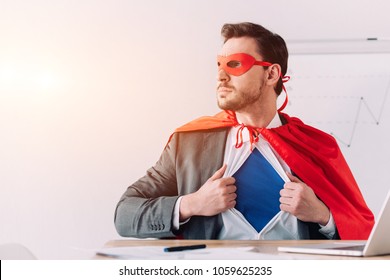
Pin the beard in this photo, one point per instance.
(237, 100)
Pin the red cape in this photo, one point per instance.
(316, 159)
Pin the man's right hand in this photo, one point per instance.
(215, 196)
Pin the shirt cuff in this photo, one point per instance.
(329, 229)
(176, 215)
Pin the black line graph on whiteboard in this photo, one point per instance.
(361, 105)
(377, 119)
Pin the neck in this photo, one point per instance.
(257, 116)
(255, 121)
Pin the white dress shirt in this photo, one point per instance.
(235, 226)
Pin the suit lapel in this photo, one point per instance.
(214, 144)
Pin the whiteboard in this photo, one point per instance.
(347, 95)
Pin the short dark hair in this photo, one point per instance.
(270, 46)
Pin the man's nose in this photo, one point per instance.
(222, 75)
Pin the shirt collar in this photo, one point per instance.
(275, 122)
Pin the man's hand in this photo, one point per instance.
(215, 196)
(300, 200)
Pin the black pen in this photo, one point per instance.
(183, 248)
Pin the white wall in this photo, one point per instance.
(91, 90)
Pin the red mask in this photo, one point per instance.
(238, 63)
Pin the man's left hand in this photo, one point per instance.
(299, 199)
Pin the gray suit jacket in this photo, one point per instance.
(188, 161)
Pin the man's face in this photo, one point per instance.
(238, 93)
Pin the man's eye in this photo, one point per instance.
(234, 64)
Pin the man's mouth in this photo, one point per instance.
(223, 88)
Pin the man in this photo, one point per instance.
(251, 171)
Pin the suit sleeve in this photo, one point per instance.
(146, 208)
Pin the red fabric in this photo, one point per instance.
(316, 159)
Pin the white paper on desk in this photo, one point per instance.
(157, 253)
(139, 252)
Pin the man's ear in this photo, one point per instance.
(274, 74)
